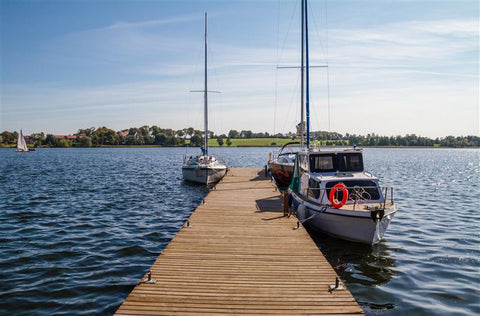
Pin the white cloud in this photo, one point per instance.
(411, 77)
(408, 43)
(150, 23)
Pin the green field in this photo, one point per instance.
(261, 142)
(252, 142)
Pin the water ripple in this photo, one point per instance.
(79, 227)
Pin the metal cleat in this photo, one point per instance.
(148, 279)
(336, 286)
(298, 226)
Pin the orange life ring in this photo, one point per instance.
(338, 187)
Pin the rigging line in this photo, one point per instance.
(324, 50)
(292, 98)
(280, 55)
(316, 114)
(288, 30)
(197, 113)
(325, 55)
(213, 68)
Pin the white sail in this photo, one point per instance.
(21, 144)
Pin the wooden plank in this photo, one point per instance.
(240, 255)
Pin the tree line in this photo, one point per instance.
(407, 140)
(154, 135)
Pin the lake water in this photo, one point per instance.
(80, 227)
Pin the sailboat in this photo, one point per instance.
(204, 168)
(281, 167)
(331, 192)
(21, 144)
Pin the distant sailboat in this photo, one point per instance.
(204, 168)
(21, 144)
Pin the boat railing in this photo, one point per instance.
(280, 152)
(385, 195)
(356, 194)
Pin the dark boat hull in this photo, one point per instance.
(282, 173)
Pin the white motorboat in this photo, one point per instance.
(204, 168)
(331, 192)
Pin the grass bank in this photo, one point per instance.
(263, 142)
(251, 142)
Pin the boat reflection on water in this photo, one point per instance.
(363, 268)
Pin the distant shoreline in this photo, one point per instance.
(156, 136)
(250, 146)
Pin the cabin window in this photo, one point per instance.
(349, 162)
(313, 188)
(322, 163)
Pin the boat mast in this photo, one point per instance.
(302, 74)
(307, 77)
(205, 95)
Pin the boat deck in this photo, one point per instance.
(240, 255)
(362, 207)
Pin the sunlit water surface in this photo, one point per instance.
(79, 228)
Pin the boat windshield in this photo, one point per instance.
(349, 162)
(322, 163)
(336, 162)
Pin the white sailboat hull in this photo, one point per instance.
(203, 174)
(354, 226)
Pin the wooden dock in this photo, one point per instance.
(240, 255)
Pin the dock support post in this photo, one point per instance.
(286, 211)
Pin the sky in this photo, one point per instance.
(395, 67)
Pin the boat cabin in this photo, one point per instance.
(320, 171)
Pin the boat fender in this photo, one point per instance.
(338, 187)
(377, 215)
